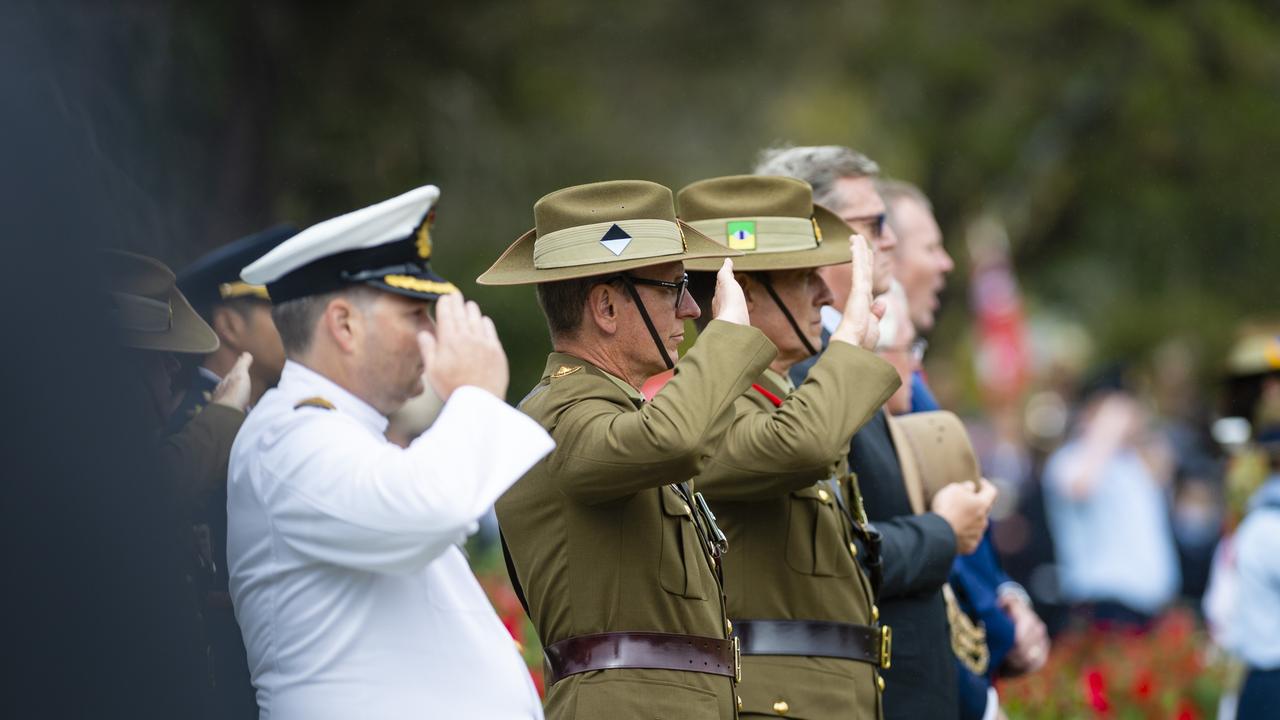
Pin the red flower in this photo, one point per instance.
(1143, 684)
(1096, 691)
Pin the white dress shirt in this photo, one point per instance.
(349, 587)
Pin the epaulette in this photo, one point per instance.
(315, 402)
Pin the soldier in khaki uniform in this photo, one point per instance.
(799, 600)
(616, 552)
(156, 324)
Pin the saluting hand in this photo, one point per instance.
(860, 324)
(235, 388)
(729, 304)
(465, 350)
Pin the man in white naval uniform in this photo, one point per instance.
(354, 599)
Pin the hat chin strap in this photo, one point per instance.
(763, 278)
(644, 315)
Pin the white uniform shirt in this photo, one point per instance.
(351, 593)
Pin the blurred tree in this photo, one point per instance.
(1129, 146)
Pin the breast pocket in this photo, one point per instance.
(681, 566)
(816, 542)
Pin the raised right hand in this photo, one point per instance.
(465, 350)
(966, 510)
(729, 304)
(860, 324)
(235, 389)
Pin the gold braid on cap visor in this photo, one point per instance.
(408, 282)
(581, 245)
(772, 234)
(238, 289)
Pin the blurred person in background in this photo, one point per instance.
(1016, 638)
(1254, 630)
(1107, 497)
(1198, 498)
(920, 263)
(1242, 603)
(157, 324)
(917, 549)
(240, 315)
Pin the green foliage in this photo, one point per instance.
(1129, 146)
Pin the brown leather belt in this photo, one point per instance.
(649, 650)
(815, 638)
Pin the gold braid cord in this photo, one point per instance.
(968, 641)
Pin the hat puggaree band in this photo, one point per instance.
(771, 219)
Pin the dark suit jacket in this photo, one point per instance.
(917, 553)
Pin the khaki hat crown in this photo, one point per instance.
(148, 310)
(745, 196)
(609, 201)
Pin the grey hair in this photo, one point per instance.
(892, 191)
(818, 165)
(296, 320)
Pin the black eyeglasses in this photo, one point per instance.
(873, 223)
(681, 288)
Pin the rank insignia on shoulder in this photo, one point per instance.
(315, 402)
(564, 370)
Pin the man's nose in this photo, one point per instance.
(688, 307)
(822, 294)
(888, 239)
(946, 263)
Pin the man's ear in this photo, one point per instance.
(602, 308)
(343, 322)
(749, 288)
(230, 327)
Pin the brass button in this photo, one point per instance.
(880, 682)
(728, 626)
(781, 707)
(688, 511)
(739, 702)
(875, 613)
(853, 550)
(824, 496)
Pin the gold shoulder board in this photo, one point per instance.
(315, 402)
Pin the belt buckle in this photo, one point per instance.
(737, 660)
(886, 646)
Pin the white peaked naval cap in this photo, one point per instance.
(387, 245)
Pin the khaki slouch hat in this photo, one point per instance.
(147, 308)
(772, 220)
(599, 229)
